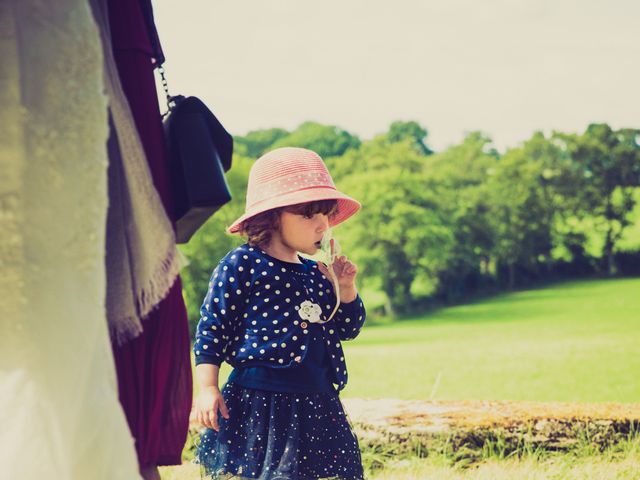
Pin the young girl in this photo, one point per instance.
(273, 315)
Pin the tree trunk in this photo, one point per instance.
(397, 281)
(388, 307)
(609, 241)
(512, 276)
(608, 251)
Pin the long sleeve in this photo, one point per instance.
(350, 318)
(250, 316)
(222, 306)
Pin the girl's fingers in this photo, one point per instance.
(342, 267)
(223, 409)
(205, 420)
(213, 418)
(349, 268)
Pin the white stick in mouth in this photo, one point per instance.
(329, 251)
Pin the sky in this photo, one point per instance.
(504, 67)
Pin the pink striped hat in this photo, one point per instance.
(289, 176)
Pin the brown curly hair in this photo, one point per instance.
(258, 229)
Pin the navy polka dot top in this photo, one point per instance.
(257, 313)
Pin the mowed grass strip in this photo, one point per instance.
(575, 341)
(558, 467)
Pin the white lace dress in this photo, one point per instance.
(59, 412)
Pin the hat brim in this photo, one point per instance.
(346, 208)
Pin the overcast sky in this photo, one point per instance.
(506, 67)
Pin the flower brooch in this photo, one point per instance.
(310, 311)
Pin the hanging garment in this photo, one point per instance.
(142, 260)
(59, 411)
(154, 369)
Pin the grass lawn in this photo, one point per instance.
(614, 464)
(575, 341)
(558, 468)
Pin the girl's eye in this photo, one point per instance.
(308, 216)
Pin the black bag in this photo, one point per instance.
(200, 151)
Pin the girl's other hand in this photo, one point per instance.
(345, 272)
(208, 402)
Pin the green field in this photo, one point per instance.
(576, 341)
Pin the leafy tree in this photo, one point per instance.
(609, 163)
(399, 131)
(257, 142)
(400, 230)
(457, 219)
(527, 193)
(459, 176)
(326, 140)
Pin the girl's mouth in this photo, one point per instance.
(318, 244)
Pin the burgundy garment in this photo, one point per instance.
(154, 369)
(155, 385)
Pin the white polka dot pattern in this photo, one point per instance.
(271, 435)
(238, 326)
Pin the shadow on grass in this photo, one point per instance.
(503, 306)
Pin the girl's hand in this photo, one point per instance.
(345, 272)
(208, 402)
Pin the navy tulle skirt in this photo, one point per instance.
(278, 436)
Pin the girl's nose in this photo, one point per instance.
(323, 223)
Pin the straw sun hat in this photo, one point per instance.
(288, 176)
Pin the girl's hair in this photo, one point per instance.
(258, 229)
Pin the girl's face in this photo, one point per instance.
(302, 232)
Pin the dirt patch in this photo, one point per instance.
(473, 428)
(448, 415)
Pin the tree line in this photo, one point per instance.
(443, 226)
